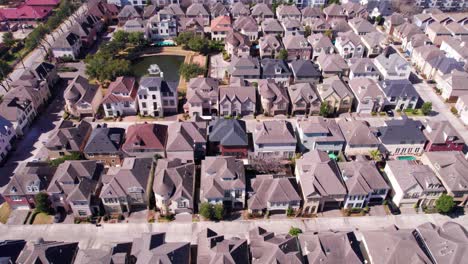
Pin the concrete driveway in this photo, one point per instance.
(218, 66)
(17, 217)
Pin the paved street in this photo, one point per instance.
(91, 236)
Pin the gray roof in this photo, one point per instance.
(394, 246)
(452, 169)
(261, 9)
(332, 63)
(80, 90)
(288, 10)
(105, 140)
(437, 132)
(270, 189)
(271, 42)
(270, 90)
(274, 131)
(228, 132)
(266, 247)
(273, 68)
(330, 247)
(245, 23)
(303, 92)
(69, 136)
(457, 80)
(361, 25)
(272, 25)
(200, 89)
(447, 243)
(320, 125)
(134, 173)
(309, 11)
(237, 39)
(239, 9)
(174, 180)
(319, 176)
(361, 177)
(241, 93)
(398, 88)
(241, 67)
(196, 9)
(219, 174)
(445, 64)
(48, 252)
(304, 69)
(409, 174)
(28, 173)
(153, 248)
(214, 248)
(218, 9)
(94, 256)
(357, 132)
(66, 41)
(320, 41)
(128, 11)
(334, 85)
(184, 136)
(70, 173)
(404, 131)
(365, 88)
(363, 66)
(349, 36)
(297, 42)
(159, 84)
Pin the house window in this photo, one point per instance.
(82, 213)
(154, 97)
(143, 105)
(182, 204)
(16, 198)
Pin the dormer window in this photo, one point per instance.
(13, 189)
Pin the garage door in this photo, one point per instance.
(20, 207)
(331, 206)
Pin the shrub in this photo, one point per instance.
(121, 217)
(43, 203)
(294, 231)
(218, 212)
(205, 210)
(454, 110)
(290, 212)
(426, 108)
(105, 218)
(445, 204)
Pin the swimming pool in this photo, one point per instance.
(406, 158)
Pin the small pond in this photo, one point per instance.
(169, 65)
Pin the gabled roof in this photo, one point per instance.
(295, 42)
(332, 63)
(219, 174)
(174, 180)
(48, 252)
(319, 125)
(245, 23)
(277, 131)
(80, 91)
(66, 41)
(304, 69)
(241, 93)
(274, 67)
(122, 85)
(288, 10)
(214, 248)
(363, 66)
(145, 137)
(409, 175)
(68, 136)
(310, 11)
(128, 11)
(271, 25)
(228, 132)
(239, 9)
(437, 132)
(357, 132)
(269, 41)
(196, 9)
(361, 177)
(105, 140)
(237, 39)
(218, 9)
(184, 136)
(261, 9)
(266, 247)
(153, 248)
(302, 92)
(320, 41)
(404, 131)
(365, 88)
(334, 85)
(361, 25)
(398, 88)
(30, 173)
(268, 189)
(221, 23)
(452, 169)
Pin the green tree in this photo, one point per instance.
(307, 31)
(183, 38)
(324, 109)
(197, 44)
(43, 203)
(282, 55)
(103, 67)
(218, 211)
(426, 108)
(5, 69)
(8, 39)
(190, 70)
(294, 231)
(120, 36)
(36, 36)
(328, 33)
(136, 38)
(206, 210)
(380, 20)
(375, 155)
(445, 204)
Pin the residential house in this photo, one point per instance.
(284, 12)
(334, 92)
(29, 179)
(128, 12)
(364, 183)
(42, 251)
(104, 145)
(367, 94)
(82, 98)
(237, 45)
(274, 140)
(237, 100)
(450, 233)
(437, 32)
(276, 70)
(17, 109)
(374, 43)
(413, 184)
(321, 44)
(354, 10)
(318, 133)
(145, 140)
(239, 9)
(334, 11)
(305, 71)
(392, 246)
(75, 187)
(462, 108)
(43, 71)
(269, 46)
(339, 26)
(152, 247)
(272, 195)
(213, 247)
(392, 21)
(220, 27)
(317, 25)
(421, 55)
(361, 26)
(223, 182)
(442, 136)
(31, 86)
(67, 45)
(292, 27)
(247, 25)
(197, 10)
(360, 139)
(246, 68)
(193, 25)
(11, 249)
(172, 10)
(272, 27)
(363, 68)
(174, 186)
(402, 137)
(157, 97)
(260, 12)
(274, 97)
(270, 247)
(330, 247)
(7, 135)
(120, 99)
(313, 9)
(149, 11)
(161, 26)
(218, 9)
(400, 94)
(405, 31)
(202, 97)
(416, 41)
(456, 49)
(124, 189)
(228, 137)
(349, 45)
(451, 167)
(332, 65)
(186, 141)
(67, 139)
(304, 99)
(319, 179)
(297, 47)
(392, 66)
(439, 67)
(87, 30)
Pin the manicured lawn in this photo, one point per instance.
(5, 211)
(43, 219)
